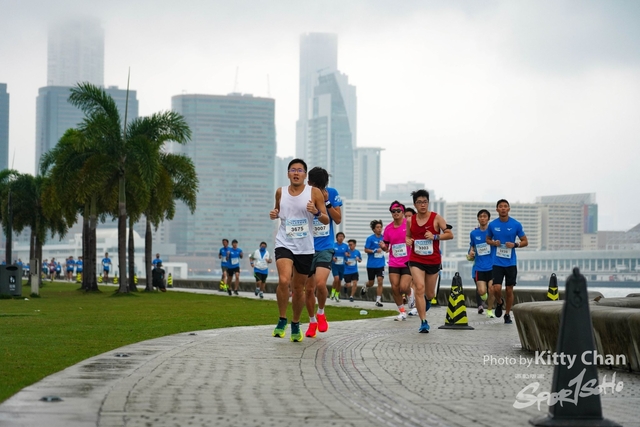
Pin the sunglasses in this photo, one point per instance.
(396, 210)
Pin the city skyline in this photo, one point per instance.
(500, 104)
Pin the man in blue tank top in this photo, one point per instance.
(501, 234)
(323, 242)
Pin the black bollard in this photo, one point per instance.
(575, 338)
(552, 292)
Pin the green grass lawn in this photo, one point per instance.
(41, 336)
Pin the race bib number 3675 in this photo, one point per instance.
(297, 228)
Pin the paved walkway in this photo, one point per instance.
(370, 372)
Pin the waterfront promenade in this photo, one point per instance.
(370, 372)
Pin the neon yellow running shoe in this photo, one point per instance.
(280, 329)
(296, 335)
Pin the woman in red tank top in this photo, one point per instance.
(424, 232)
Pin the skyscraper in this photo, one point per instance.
(366, 173)
(76, 53)
(4, 127)
(233, 148)
(54, 114)
(331, 128)
(318, 56)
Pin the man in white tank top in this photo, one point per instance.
(296, 206)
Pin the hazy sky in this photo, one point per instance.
(479, 100)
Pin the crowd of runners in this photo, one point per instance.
(308, 253)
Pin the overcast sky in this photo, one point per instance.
(479, 100)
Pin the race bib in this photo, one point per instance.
(297, 228)
(378, 255)
(351, 261)
(483, 249)
(399, 250)
(423, 247)
(503, 252)
(235, 261)
(260, 264)
(339, 260)
(320, 229)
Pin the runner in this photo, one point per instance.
(234, 255)
(375, 260)
(413, 311)
(106, 266)
(483, 255)
(337, 266)
(260, 261)
(502, 233)
(424, 232)
(296, 206)
(351, 276)
(224, 264)
(69, 266)
(394, 241)
(323, 243)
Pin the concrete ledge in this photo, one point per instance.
(616, 329)
(520, 295)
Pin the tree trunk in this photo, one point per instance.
(85, 238)
(132, 259)
(122, 237)
(91, 260)
(148, 254)
(38, 254)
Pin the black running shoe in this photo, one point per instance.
(499, 308)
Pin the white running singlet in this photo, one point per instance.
(296, 224)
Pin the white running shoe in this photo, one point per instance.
(413, 312)
(401, 316)
(412, 300)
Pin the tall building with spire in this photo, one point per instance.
(318, 56)
(75, 53)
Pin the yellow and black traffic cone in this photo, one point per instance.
(100, 278)
(456, 317)
(115, 279)
(552, 293)
(170, 281)
(78, 277)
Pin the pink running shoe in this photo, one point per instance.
(311, 332)
(323, 326)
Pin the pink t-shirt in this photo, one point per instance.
(396, 238)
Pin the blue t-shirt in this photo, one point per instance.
(223, 253)
(484, 253)
(262, 257)
(323, 237)
(339, 250)
(106, 264)
(505, 232)
(351, 262)
(234, 257)
(70, 264)
(156, 261)
(79, 265)
(376, 259)
(58, 267)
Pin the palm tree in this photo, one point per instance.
(117, 153)
(72, 166)
(177, 180)
(28, 211)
